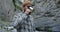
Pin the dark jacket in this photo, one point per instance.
(23, 22)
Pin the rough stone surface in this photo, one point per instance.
(6, 9)
(47, 13)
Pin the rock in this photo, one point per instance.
(1, 31)
(47, 14)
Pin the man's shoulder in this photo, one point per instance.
(18, 14)
(31, 16)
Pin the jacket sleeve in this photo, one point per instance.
(16, 19)
(33, 24)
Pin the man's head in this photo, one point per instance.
(26, 7)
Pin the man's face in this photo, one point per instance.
(28, 11)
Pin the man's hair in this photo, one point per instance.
(26, 3)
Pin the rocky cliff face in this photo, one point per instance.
(6, 9)
(46, 14)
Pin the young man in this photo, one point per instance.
(23, 22)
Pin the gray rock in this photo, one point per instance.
(47, 14)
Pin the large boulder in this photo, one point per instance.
(47, 13)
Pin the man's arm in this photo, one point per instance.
(17, 19)
(32, 21)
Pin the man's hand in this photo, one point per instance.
(9, 28)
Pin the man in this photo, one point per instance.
(23, 22)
